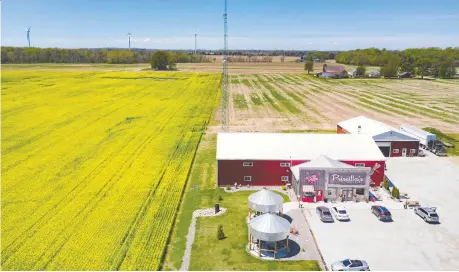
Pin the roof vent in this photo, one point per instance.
(359, 128)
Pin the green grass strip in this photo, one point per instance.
(239, 101)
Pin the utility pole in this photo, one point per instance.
(225, 95)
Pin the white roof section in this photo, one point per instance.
(321, 162)
(296, 146)
(367, 125)
(417, 130)
(265, 201)
(269, 227)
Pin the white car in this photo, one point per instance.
(350, 265)
(340, 213)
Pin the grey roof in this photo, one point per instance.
(265, 201)
(393, 136)
(321, 162)
(269, 227)
(334, 68)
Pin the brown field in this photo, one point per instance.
(286, 101)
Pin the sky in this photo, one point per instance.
(252, 24)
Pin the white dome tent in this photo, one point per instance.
(266, 201)
(268, 229)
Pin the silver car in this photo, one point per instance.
(324, 214)
(429, 214)
(350, 265)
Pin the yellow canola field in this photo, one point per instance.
(94, 165)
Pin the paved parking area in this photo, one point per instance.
(407, 243)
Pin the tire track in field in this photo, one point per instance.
(311, 116)
(317, 97)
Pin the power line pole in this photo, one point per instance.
(225, 94)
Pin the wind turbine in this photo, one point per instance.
(129, 34)
(196, 42)
(28, 35)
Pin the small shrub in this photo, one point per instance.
(228, 187)
(220, 198)
(220, 233)
(395, 192)
(284, 188)
(302, 249)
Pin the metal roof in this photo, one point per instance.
(269, 227)
(321, 162)
(296, 146)
(265, 201)
(393, 136)
(367, 125)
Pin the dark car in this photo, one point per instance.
(382, 213)
(324, 214)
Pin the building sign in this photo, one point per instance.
(312, 176)
(347, 178)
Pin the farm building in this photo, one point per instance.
(276, 159)
(392, 142)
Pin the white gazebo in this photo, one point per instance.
(268, 232)
(265, 201)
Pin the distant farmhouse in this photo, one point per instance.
(333, 71)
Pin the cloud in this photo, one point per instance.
(146, 40)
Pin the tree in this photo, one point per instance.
(360, 71)
(309, 66)
(220, 233)
(282, 58)
(162, 60)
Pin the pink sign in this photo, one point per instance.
(312, 179)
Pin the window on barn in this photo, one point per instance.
(247, 178)
(413, 151)
(285, 164)
(248, 164)
(360, 164)
(284, 178)
(396, 150)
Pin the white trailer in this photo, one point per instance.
(423, 136)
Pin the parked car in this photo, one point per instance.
(350, 265)
(381, 212)
(428, 214)
(340, 213)
(324, 214)
(421, 153)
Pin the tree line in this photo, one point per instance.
(434, 62)
(58, 55)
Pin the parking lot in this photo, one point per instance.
(407, 243)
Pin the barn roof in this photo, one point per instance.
(393, 136)
(296, 146)
(367, 125)
(379, 130)
(334, 68)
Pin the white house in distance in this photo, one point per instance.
(391, 141)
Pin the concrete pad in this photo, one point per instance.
(408, 243)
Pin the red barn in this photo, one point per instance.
(392, 142)
(264, 159)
